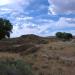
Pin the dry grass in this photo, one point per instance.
(51, 58)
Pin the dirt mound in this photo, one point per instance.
(26, 43)
(32, 39)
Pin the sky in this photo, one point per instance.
(40, 17)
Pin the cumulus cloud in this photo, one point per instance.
(14, 10)
(71, 20)
(25, 28)
(61, 6)
(10, 2)
(61, 25)
(49, 27)
(12, 6)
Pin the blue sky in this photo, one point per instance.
(40, 17)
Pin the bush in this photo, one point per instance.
(14, 67)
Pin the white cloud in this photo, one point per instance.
(24, 24)
(4, 2)
(24, 18)
(24, 30)
(17, 6)
(51, 27)
(64, 22)
(10, 2)
(47, 28)
(71, 20)
(61, 6)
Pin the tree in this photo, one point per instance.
(5, 28)
(59, 35)
(64, 36)
(68, 36)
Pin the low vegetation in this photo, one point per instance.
(14, 67)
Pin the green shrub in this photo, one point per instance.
(14, 67)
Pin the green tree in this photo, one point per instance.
(67, 36)
(64, 36)
(5, 28)
(59, 34)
